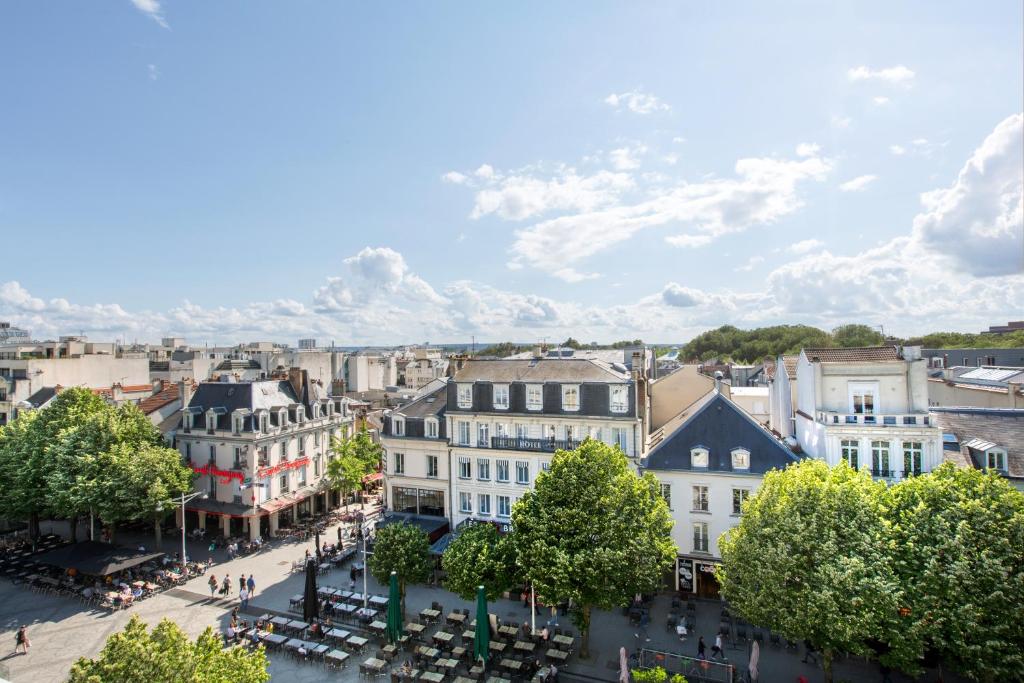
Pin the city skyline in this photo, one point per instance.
(376, 176)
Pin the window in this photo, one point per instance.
(501, 471)
(500, 397)
(522, 431)
(740, 459)
(466, 502)
(483, 469)
(880, 459)
(316, 466)
(738, 496)
(862, 397)
(501, 430)
(399, 463)
(284, 483)
(316, 439)
(619, 399)
(482, 430)
(534, 396)
(432, 466)
(213, 455)
(430, 428)
(912, 458)
(398, 426)
(699, 457)
(504, 506)
(546, 466)
(404, 500)
(188, 451)
(431, 502)
(483, 502)
(700, 537)
(620, 438)
(465, 395)
(850, 452)
(464, 432)
(570, 397)
(700, 498)
(996, 460)
(522, 472)
(302, 446)
(666, 493)
(238, 458)
(302, 476)
(465, 469)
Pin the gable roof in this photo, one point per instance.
(720, 426)
(540, 370)
(43, 396)
(790, 363)
(167, 394)
(428, 405)
(871, 354)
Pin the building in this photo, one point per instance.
(424, 366)
(27, 367)
(506, 418)
(868, 406)
(417, 480)
(11, 334)
(984, 387)
(984, 438)
(261, 449)
(1012, 326)
(366, 371)
(754, 400)
(307, 344)
(707, 466)
(947, 358)
(782, 396)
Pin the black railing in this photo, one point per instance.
(885, 474)
(514, 443)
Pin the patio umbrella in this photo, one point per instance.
(310, 602)
(482, 638)
(755, 655)
(318, 558)
(394, 630)
(623, 666)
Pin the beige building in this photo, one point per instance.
(984, 387)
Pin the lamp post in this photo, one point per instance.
(202, 495)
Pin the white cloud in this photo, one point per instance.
(858, 184)
(519, 195)
(678, 140)
(637, 102)
(841, 121)
(897, 150)
(454, 177)
(750, 264)
(152, 9)
(681, 297)
(880, 100)
(807, 149)
(627, 158)
(486, 172)
(154, 72)
(17, 297)
(894, 74)
(805, 246)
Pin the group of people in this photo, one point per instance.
(246, 587)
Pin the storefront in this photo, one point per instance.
(417, 501)
(696, 576)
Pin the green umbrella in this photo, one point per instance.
(482, 640)
(394, 629)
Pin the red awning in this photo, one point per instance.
(373, 476)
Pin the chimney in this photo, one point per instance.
(538, 352)
(185, 388)
(718, 381)
(299, 380)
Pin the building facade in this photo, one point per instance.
(990, 439)
(868, 406)
(708, 466)
(261, 450)
(984, 387)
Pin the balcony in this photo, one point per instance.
(883, 474)
(512, 443)
(848, 419)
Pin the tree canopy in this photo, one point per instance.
(355, 457)
(480, 556)
(404, 549)
(749, 346)
(852, 336)
(138, 655)
(592, 532)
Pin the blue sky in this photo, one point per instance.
(390, 173)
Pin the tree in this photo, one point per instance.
(571, 343)
(851, 336)
(592, 532)
(356, 456)
(404, 549)
(749, 346)
(811, 559)
(480, 556)
(137, 655)
(959, 536)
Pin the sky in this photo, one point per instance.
(392, 173)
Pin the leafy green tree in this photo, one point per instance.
(355, 457)
(502, 350)
(138, 655)
(401, 548)
(571, 343)
(749, 346)
(811, 559)
(851, 336)
(592, 532)
(959, 536)
(480, 556)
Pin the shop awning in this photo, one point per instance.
(373, 476)
(289, 499)
(95, 558)
(215, 507)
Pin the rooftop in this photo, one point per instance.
(868, 354)
(541, 370)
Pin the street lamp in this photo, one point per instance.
(202, 495)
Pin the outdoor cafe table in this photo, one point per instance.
(280, 621)
(562, 640)
(508, 630)
(447, 663)
(318, 649)
(336, 655)
(427, 652)
(326, 590)
(457, 652)
(469, 634)
(498, 679)
(355, 598)
(297, 625)
(557, 654)
(378, 601)
(346, 609)
(456, 618)
(325, 567)
(432, 676)
(295, 643)
(430, 613)
(338, 634)
(497, 646)
(524, 646)
(511, 664)
(374, 664)
(413, 627)
(463, 679)
(274, 638)
(344, 595)
(295, 599)
(443, 637)
(358, 642)
(377, 626)
(366, 613)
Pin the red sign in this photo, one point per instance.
(271, 471)
(225, 476)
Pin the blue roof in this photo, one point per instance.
(720, 426)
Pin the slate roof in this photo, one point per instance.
(978, 429)
(540, 370)
(42, 397)
(720, 426)
(868, 354)
(429, 405)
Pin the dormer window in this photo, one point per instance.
(740, 459)
(316, 411)
(211, 422)
(699, 457)
(534, 396)
(465, 395)
(265, 423)
(619, 398)
(996, 459)
(238, 424)
(282, 417)
(430, 428)
(398, 426)
(571, 397)
(501, 397)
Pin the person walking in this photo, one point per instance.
(241, 583)
(21, 640)
(716, 649)
(243, 596)
(811, 652)
(213, 585)
(225, 588)
(251, 585)
(701, 648)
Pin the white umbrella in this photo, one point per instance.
(755, 654)
(623, 666)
